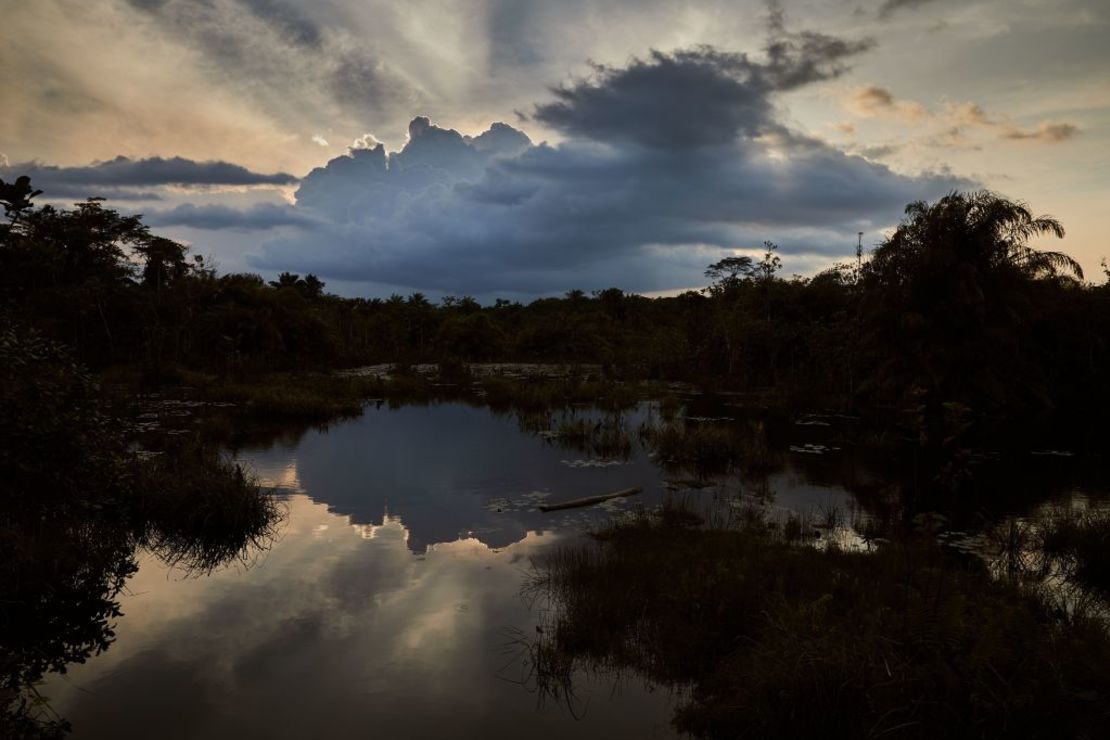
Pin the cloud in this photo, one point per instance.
(1051, 132)
(970, 114)
(872, 101)
(950, 138)
(279, 50)
(260, 216)
(953, 119)
(696, 97)
(890, 7)
(684, 100)
(120, 178)
(319, 140)
(366, 141)
(288, 20)
(666, 164)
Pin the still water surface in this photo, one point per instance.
(388, 606)
(391, 604)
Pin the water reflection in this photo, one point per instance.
(444, 470)
(391, 601)
(67, 554)
(339, 631)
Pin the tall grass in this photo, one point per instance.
(705, 449)
(200, 511)
(606, 437)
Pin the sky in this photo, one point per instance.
(517, 148)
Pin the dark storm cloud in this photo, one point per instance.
(693, 98)
(117, 178)
(667, 162)
(668, 101)
(212, 217)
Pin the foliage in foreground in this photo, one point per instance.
(75, 503)
(779, 641)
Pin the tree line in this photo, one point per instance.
(953, 323)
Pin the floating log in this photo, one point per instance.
(590, 500)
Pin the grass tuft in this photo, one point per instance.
(201, 511)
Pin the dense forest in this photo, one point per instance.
(954, 321)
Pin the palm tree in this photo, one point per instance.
(949, 300)
(981, 229)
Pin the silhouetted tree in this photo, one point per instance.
(164, 261)
(16, 197)
(729, 271)
(949, 298)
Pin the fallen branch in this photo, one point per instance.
(590, 500)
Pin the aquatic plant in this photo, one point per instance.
(606, 438)
(702, 448)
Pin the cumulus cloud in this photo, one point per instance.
(666, 164)
(122, 177)
(366, 141)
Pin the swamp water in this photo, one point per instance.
(394, 601)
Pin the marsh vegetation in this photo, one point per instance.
(766, 638)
